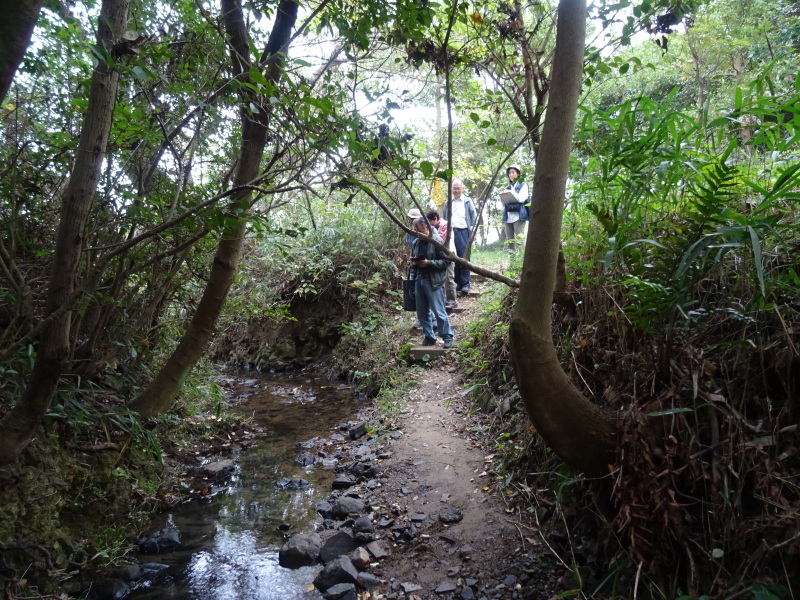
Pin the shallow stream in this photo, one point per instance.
(229, 544)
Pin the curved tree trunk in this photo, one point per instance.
(160, 394)
(577, 430)
(16, 29)
(19, 425)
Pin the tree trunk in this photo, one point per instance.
(19, 425)
(577, 430)
(160, 394)
(16, 28)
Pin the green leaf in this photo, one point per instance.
(769, 591)
(756, 243)
(101, 55)
(491, 142)
(426, 167)
(140, 73)
(754, 186)
(646, 241)
(719, 121)
(671, 411)
(323, 104)
(256, 76)
(475, 117)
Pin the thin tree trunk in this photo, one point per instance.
(449, 106)
(577, 430)
(19, 425)
(16, 28)
(160, 394)
(160, 292)
(744, 120)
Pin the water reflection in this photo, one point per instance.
(230, 545)
(238, 568)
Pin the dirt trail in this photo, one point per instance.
(439, 462)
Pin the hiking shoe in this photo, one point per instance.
(428, 341)
(451, 305)
(465, 289)
(448, 343)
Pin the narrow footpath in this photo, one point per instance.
(467, 543)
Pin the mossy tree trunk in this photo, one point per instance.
(577, 430)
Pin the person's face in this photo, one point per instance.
(434, 222)
(513, 174)
(458, 189)
(420, 227)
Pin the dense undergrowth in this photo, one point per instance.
(683, 254)
(323, 291)
(707, 506)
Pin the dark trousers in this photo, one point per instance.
(461, 237)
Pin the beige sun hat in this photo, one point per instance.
(414, 213)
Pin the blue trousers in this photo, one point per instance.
(431, 300)
(461, 237)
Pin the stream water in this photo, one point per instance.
(229, 544)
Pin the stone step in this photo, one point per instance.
(457, 310)
(417, 353)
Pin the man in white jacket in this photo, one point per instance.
(463, 222)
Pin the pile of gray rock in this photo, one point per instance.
(357, 527)
(352, 547)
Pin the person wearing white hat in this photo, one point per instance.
(516, 213)
(412, 215)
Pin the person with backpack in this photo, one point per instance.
(430, 273)
(516, 212)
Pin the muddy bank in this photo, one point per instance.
(307, 333)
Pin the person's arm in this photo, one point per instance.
(472, 216)
(438, 262)
(524, 194)
(433, 263)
